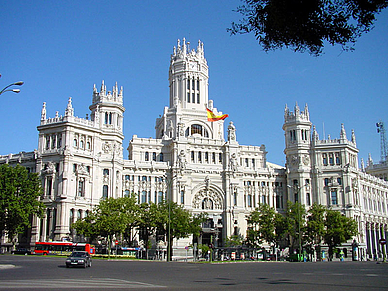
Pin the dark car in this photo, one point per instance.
(79, 259)
(21, 251)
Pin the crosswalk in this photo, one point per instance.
(75, 284)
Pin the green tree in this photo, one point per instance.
(315, 226)
(262, 225)
(306, 25)
(177, 222)
(339, 229)
(294, 223)
(111, 217)
(149, 216)
(19, 199)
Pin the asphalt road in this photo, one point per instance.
(50, 273)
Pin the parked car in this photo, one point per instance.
(21, 251)
(79, 259)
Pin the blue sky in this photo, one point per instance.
(61, 48)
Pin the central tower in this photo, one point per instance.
(188, 81)
(188, 76)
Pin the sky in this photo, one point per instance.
(60, 49)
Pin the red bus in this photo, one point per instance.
(62, 248)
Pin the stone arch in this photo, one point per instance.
(205, 126)
(208, 197)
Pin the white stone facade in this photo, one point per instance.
(191, 162)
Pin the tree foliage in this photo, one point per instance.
(117, 216)
(19, 198)
(307, 24)
(339, 229)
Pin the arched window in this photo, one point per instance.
(75, 143)
(197, 129)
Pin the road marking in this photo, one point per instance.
(74, 284)
(7, 266)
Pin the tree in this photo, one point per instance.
(148, 222)
(112, 216)
(262, 222)
(339, 229)
(177, 222)
(294, 225)
(315, 226)
(19, 199)
(307, 24)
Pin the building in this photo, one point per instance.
(191, 162)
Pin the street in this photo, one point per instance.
(50, 273)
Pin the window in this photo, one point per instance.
(200, 157)
(49, 186)
(81, 144)
(339, 181)
(154, 156)
(105, 191)
(324, 159)
(206, 157)
(263, 199)
(249, 200)
(182, 197)
(143, 196)
(308, 199)
(235, 198)
(160, 197)
(126, 193)
(47, 142)
(213, 158)
(198, 98)
(81, 187)
(144, 178)
(246, 163)
(253, 163)
(331, 159)
(278, 201)
(326, 181)
(161, 157)
(220, 157)
(192, 156)
(188, 97)
(188, 84)
(334, 197)
(127, 177)
(88, 145)
(337, 159)
(106, 172)
(196, 128)
(75, 143)
(193, 97)
(147, 156)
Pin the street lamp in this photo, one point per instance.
(9, 89)
(298, 189)
(169, 181)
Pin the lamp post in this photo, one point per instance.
(169, 181)
(297, 190)
(9, 89)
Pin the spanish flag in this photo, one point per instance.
(212, 117)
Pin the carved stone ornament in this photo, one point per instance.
(107, 148)
(49, 168)
(306, 160)
(207, 199)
